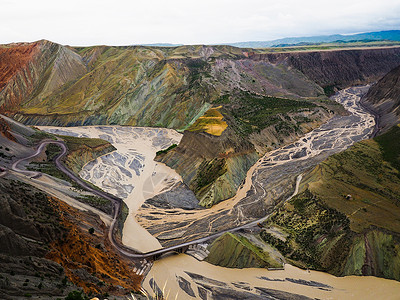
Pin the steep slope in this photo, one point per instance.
(339, 69)
(235, 251)
(48, 248)
(384, 98)
(47, 251)
(346, 220)
(33, 70)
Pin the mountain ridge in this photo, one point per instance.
(390, 35)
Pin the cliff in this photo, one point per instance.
(341, 68)
(384, 98)
(31, 70)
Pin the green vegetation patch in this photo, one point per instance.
(317, 233)
(166, 150)
(252, 113)
(235, 251)
(208, 172)
(362, 182)
(98, 202)
(390, 146)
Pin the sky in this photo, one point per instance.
(124, 22)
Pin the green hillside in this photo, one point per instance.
(346, 220)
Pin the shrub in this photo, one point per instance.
(75, 295)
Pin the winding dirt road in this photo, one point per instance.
(124, 250)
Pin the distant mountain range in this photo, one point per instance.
(160, 45)
(389, 35)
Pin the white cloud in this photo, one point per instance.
(123, 22)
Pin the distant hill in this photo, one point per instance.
(389, 35)
(160, 45)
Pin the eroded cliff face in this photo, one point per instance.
(24, 67)
(339, 69)
(213, 167)
(384, 98)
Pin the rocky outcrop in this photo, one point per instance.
(213, 167)
(13, 59)
(5, 130)
(384, 98)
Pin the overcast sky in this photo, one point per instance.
(123, 22)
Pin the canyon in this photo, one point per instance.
(242, 150)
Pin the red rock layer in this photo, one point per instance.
(13, 59)
(82, 253)
(5, 130)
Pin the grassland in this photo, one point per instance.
(252, 113)
(368, 172)
(235, 251)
